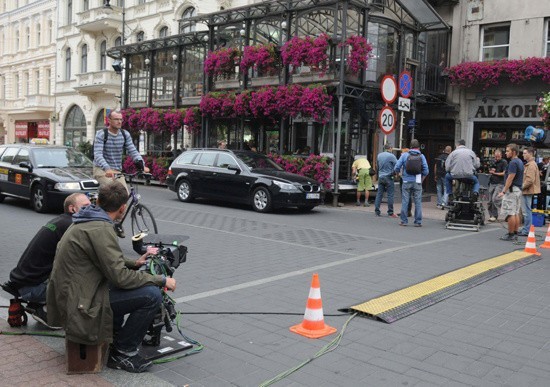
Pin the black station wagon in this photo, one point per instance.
(45, 174)
(241, 177)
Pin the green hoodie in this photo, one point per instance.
(88, 259)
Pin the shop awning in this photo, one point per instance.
(424, 14)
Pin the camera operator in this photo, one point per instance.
(93, 286)
(29, 277)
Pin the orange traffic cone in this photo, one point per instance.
(531, 244)
(313, 325)
(546, 244)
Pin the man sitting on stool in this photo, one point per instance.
(93, 286)
(462, 163)
(29, 278)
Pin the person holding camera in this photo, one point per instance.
(93, 286)
(496, 182)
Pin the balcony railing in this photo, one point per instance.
(431, 79)
(104, 81)
(98, 19)
(39, 101)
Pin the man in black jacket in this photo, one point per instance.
(29, 277)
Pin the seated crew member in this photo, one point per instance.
(462, 163)
(29, 277)
(93, 286)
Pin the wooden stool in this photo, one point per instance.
(83, 359)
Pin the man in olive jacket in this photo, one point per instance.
(92, 286)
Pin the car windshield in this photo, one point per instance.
(258, 161)
(60, 158)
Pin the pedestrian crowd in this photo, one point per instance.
(514, 184)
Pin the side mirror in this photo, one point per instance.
(26, 164)
(234, 168)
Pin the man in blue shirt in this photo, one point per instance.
(412, 183)
(386, 161)
(108, 153)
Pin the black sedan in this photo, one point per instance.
(44, 174)
(241, 177)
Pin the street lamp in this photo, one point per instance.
(107, 5)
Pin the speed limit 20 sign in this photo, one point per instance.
(386, 120)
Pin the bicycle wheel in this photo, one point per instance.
(143, 220)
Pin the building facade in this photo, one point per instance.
(483, 31)
(27, 69)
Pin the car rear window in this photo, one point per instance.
(9, 154)
(207, 159)
(187, 157)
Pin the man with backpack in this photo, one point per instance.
(462, 163)
(108, 147)
(413, 167)
(439, 172)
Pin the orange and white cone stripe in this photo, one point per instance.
(313, 325)
(531, 243)
(546, 244)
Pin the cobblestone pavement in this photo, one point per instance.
(241, 262)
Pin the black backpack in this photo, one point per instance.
(413, 165)
(440, 161)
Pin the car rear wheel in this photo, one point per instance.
(261, 200)
(39, 199)
(184, 191)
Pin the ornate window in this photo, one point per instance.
(16, 85)
(75, 127)
(118, 41)
(68, 64)
(69, 11)
(100, 121)
(186, 25)
(84, 59)
(163, 32)
(28, 37)
(140, 36)
(38, 35)
(103, 55)
(85, 5)
(37, 80)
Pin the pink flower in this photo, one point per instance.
(263, 58)
(306, 51)
(221, 61)
(487, 74)
(359, 54)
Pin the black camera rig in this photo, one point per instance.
(171, 253)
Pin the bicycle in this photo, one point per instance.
(142, 217)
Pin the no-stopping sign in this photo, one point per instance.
(386, 120)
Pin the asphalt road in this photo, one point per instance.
(241, 261)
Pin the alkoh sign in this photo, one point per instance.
(506, 111)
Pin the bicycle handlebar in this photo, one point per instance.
(147, 176)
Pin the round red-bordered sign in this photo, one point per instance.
(386, 120)
(388, 88)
